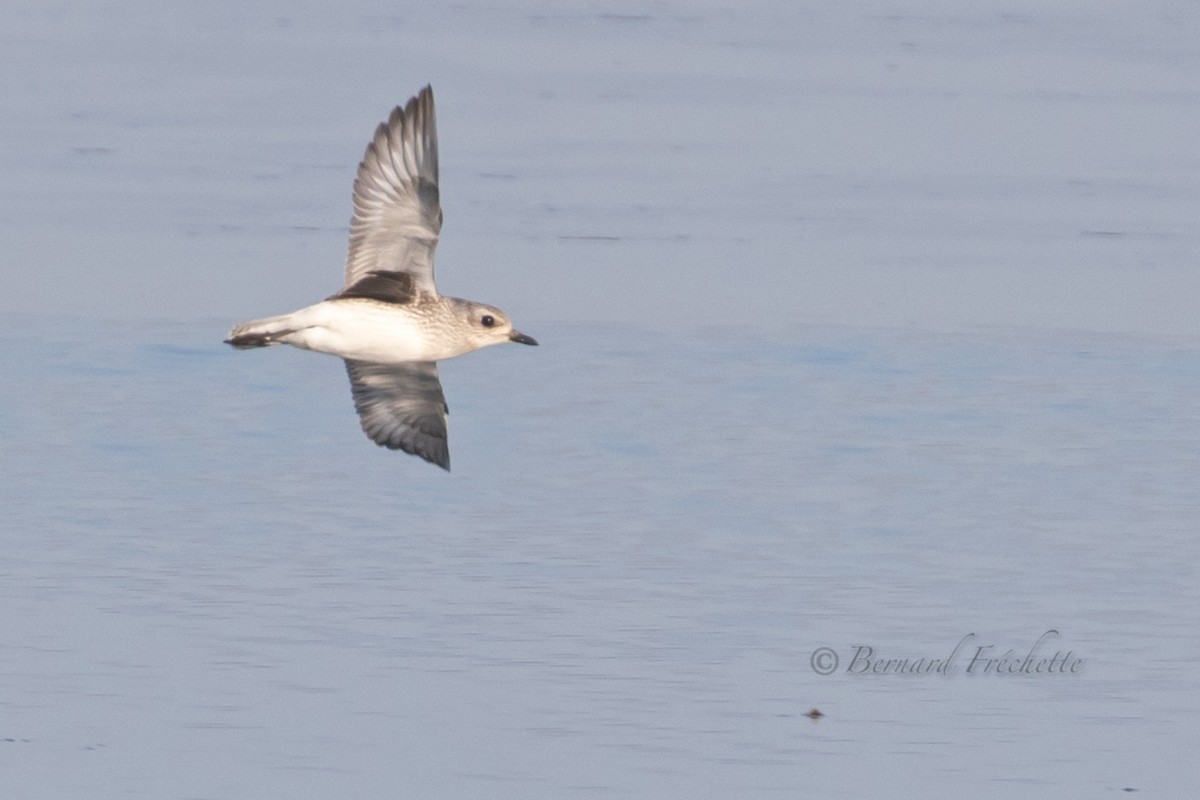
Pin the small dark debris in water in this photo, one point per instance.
(1129, 789)
(814, 714)
(1104, 234)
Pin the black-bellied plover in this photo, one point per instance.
(388, 321)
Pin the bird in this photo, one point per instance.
(388, 321)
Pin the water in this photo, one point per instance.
(851, 337)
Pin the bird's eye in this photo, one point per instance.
(488, 320)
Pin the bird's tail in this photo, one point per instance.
(261, 332)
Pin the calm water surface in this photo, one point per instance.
(862, 328)
(619, 589)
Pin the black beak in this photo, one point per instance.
(520, 338)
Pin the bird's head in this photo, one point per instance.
(487, 325)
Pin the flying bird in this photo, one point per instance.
(388, 321)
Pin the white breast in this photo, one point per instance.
(365, 330)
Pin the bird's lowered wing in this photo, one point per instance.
(401, 406)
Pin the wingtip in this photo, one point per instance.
(422, 99)
(438, 459)
(441, 457)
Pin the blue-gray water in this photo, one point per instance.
(861, 327)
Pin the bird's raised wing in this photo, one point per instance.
(397, 213)
(401, 406)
